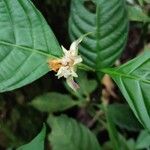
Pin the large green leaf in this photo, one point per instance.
(37, 143)
(133, 79)
(67, 134)
(26, 42)
(109, 22)
(53, 102)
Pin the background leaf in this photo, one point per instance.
(124, 117)
(108, 20)
(67, 134)
(87, 86)
(147, 1)
(130, 1)
(37, 143)
(113, 134)
(127, 144)
(141, 2)
(26, 42)
(53, 102)
(143, 140)
(124, 144)
(136, 13)
(133, 79)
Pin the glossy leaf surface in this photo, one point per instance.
(109, 23)
(133, 79)
(26, 43)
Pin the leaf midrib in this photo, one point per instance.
(114, 72)
(24, 48)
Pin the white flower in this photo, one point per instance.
(66, 66)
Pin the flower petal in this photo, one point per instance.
(72, 84)
(78, 60)
(63, 72)
(74, 46)
(73, 73)
(59, 73)
(64, 50)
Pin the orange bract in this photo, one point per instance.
(55, 64)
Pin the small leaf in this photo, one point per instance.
(53, 102)
(133, 79)
(67, 134)
(108, 21)
(124, 117)
(143, 140)
(137, 14)
(37, 143)
(87, 86)
(127, 144)
(26, 43)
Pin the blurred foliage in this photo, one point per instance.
(37, 143)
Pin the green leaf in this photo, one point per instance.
(26, 43)
(130, 1)
(133, 79)
(141, 2)
(127, 144)
(53, 102)
(87, 86)
(108, 21)
(147, 1)
(107, 146)
(137, 14)
(113, 134)
(67, 134)
(37, 143)
(124, 144)
(143, 140)
(124, 117)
